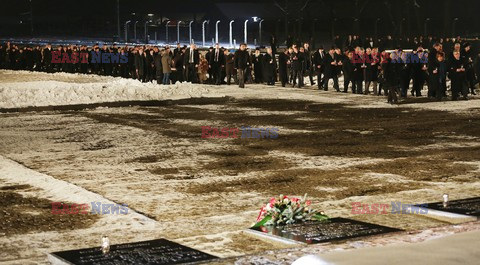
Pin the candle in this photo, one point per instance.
(105, 245)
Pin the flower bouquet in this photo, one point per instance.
(284, 210)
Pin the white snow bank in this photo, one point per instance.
(25, 89)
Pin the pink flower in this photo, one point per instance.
(272, 201)
(260, 215)
(308, 203)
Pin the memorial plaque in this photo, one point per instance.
(153, 252)
(470, 206)
(313, 232)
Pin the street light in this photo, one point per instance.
(146, 30)
(425, 26)
(216, 31)
(126, 30)
(453, 25)
(135, 31)
(203, 32)
(190, 32)
(166, 32)
(245, 31)
(178, 31)
(260, 31)
(231, 33)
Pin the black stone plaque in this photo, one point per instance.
(313, 232)
(470, 206)
(153, 252)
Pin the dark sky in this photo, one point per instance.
(98, 16)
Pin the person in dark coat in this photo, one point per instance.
(257, 62)
(405, 72)
(437, 69)
(419, 71)
(229, 67)
(217, 64)
(348, 67)
(178, 61)
(283, 62)
(467, 57)
(190, 62)
(241, 63)
(390, 79)
(270, 67)
(359, 69)
(309, 70)
(140, 65)
(157, 61)
(208, 57)
(149, 74)
(297, 59)
(330, 65)
(371, 72)
(458, 76)
(37, 58)
(318, 64)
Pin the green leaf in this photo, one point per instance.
(320, 217)
(263, 221)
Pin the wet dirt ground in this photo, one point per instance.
(205, 191)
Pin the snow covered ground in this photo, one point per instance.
(24, 89)
(153, 159)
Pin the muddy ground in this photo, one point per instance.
(203, 192)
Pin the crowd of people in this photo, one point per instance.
(363, 63)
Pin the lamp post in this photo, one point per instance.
(453, 26)
(126, 30)
(146, 31)
(245, 32)
(216, 31)
(190, 32)
(166, 31)
(118, 19)
(135, 31)
(178, 31)
(203, 32)
(425, 26)
(260, 31)
(231, 33)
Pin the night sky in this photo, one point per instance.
(95, 18)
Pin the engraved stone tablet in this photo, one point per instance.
(313, 232)
(470, 206)
(153, 252)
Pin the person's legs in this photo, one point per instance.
(335, 83)
(241, 78)
(367, 88)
